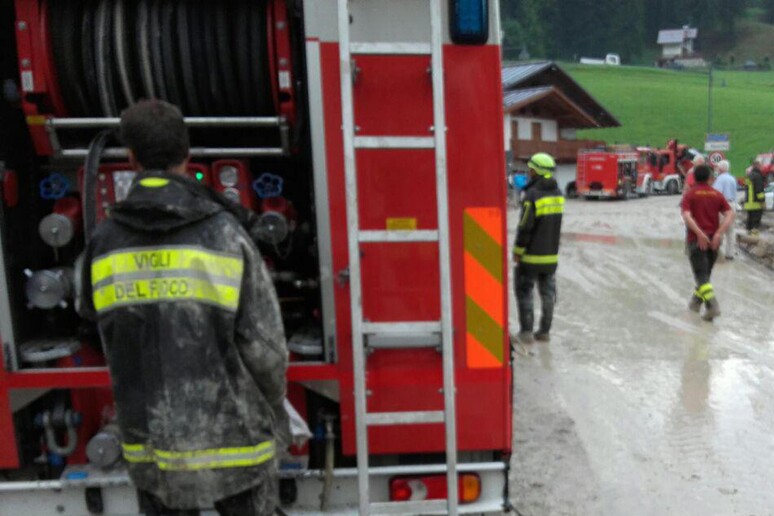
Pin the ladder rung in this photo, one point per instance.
(421, 235)
(398, 328)
(404, 418)
(404, 341)
(391, 48)
(394, 142)
(417, 507)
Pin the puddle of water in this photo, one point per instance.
(664, 243)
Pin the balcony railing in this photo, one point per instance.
(563, 150)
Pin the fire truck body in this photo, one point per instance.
(378, 272)
(664, 170)
(607, 174)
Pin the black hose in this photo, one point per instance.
(90, 172)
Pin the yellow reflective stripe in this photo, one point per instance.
(137, 453)
(549, 206)
(525, 215)
(548, 259)
(154, 182)
(127, 261)
(175, 288)
(544, 201)
(549, 210)
(194, 460)
(705, 292)
(519, 250)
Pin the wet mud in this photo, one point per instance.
(637, 406)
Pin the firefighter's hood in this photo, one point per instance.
(159, 202)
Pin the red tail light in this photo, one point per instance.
(433, 487)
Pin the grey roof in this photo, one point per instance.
(513, 75)
(671, 36)
(547, 73)
(519, 96)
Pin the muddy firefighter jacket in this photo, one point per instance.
(194, 340)
(755, 196)
(537, 239)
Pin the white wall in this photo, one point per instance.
(672, 50)
(548, 128)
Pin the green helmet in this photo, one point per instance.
(543, 164)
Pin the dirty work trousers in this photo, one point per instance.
(524, 285)
(702, 263)
(258, 501)
(754, 219)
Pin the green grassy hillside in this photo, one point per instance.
(655, 105)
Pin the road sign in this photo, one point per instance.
(717, 142)
(716, 157)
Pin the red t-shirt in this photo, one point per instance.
(705, 205)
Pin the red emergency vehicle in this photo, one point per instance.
(664, 170)
(607, 174)
(368, 136)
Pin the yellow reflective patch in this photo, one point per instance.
(401, 224)
(36, 120)
(160, 259)
(154, 182)
(549, 206)
(532, 259)
(544, 201)
(549, 210)
(525, 213)
(140, 291)
(195, 460)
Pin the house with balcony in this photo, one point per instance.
(544, 108)
(677, 43)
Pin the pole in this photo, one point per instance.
(709, 101)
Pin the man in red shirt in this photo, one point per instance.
(702, 207)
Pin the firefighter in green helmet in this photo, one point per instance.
(536, 251)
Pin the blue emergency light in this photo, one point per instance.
(469, 21)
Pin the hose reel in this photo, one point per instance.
(209, 58)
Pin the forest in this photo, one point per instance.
(568, 29)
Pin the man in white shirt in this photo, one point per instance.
(726, 184)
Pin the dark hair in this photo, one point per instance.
(154, 130)
(702, 173)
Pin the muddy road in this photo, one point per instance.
(637, 406)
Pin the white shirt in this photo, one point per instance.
(726, 184)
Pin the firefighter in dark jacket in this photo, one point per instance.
(754, 199)
(536, 252)
(191, 326)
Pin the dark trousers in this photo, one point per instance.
(258, 501)
(754, 219)
(524, 285)
(702, 263)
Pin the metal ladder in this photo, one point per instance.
(361, 328)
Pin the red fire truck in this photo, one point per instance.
(608, 174)
(664, 170)
(368, 137)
